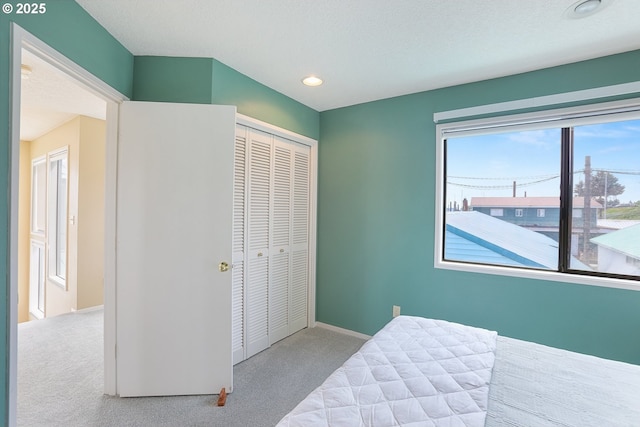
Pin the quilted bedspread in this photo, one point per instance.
(414, 372)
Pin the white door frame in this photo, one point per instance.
(22, 39)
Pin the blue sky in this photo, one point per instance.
(487, 165)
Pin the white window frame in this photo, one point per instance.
(37, 268)
(53, 221)
(519, 213)
(39, 195)
(497, 212)
(572, 116)
(540, 213)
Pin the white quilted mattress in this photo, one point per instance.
(414, 372)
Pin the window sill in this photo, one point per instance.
(539, 275)
(58, 282)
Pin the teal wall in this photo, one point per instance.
(69, 29)
(208, 81)
(170, 79)
(260, 102)
(376, 216)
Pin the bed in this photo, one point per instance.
(427, 372)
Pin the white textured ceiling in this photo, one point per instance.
(370, 49)
(48, 99)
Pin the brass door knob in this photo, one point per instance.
(223, 266)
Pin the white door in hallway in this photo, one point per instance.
(174, 228)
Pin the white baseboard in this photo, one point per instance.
(88, 309)
(342, 330)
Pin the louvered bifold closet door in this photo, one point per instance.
(280, 241)
(239, 224)
(258, 225)
(298, 303)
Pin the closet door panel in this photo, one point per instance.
(298, 305)
(238, 245)
(299, 289)
(279, 297)
(257, 305)
(238, 311)
(301, 197)
(280, 238)
(281, 196)
(259, 191)
(258, 230)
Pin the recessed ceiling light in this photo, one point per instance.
(587, 7)
(312, 81)
(584, 8)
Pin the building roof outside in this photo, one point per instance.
(520, 246)
(527, 202)
(616, 224)
(462, 249)
(625, 241)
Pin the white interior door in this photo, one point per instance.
(174, 227)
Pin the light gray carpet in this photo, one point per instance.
(60, 377)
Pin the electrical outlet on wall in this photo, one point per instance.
(396, 310)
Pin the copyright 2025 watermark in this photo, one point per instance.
(24, 8)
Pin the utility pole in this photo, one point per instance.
(586, 213)
(606, 184)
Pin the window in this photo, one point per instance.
(57, 217)
(38, 195)
(576, 168)
(633, 261)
